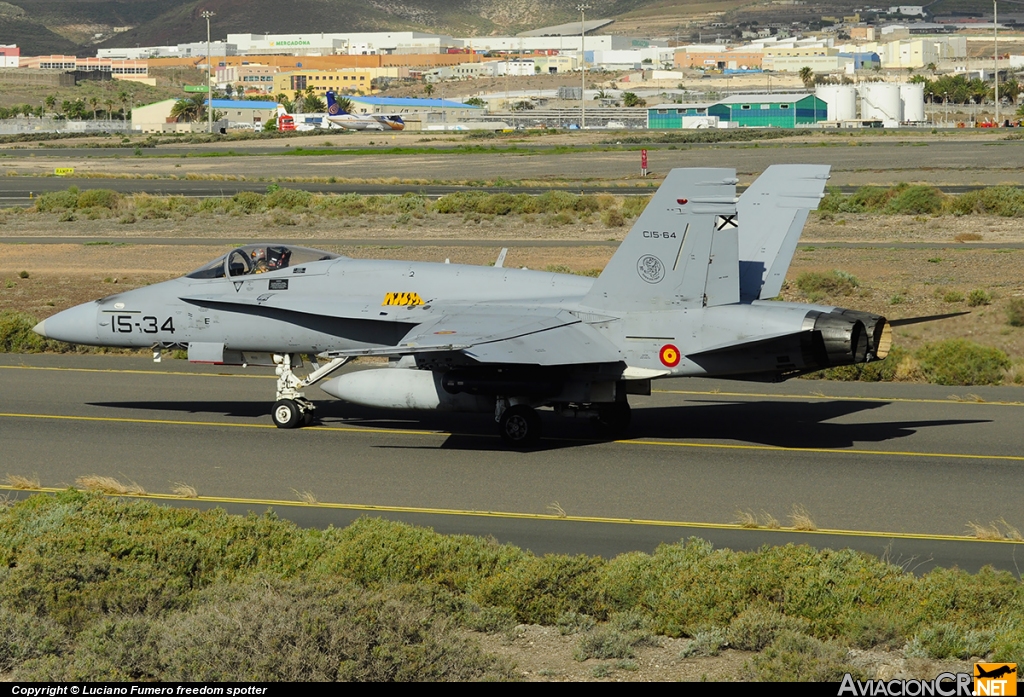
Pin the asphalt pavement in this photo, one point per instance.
(892, 469)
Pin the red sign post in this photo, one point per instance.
(643, 163)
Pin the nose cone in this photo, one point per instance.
(76, 325)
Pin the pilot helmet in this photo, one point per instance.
(258, 254)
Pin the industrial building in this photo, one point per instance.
(324, 81)
(676, 116)
(770, 110)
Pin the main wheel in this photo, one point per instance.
(613, 419)
(308, 417)
(286, 414)
(519, 426)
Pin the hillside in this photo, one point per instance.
(54, 26)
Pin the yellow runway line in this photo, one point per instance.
(909, 400)
(369, 508)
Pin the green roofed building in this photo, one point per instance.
(771, 110)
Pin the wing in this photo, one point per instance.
(519, 336)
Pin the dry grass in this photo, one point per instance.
(967, 237)
(306, 497)
(801, 519)
(19, 482)
(185, 491)
(557, 510)
(746, 519)
(996, 530)
(109, 485)
(770, 521)
(970, 397)
(984, 532)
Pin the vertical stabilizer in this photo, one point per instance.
(681, 252)
(772, 213)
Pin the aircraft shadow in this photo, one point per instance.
(783, 423)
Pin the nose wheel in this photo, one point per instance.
(292, 413)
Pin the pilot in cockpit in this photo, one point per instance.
(269, 259)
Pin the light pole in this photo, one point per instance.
(206, 14)
(582, 7)
(945, 103)
(995, 51)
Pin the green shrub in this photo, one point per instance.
(915, 200)
(795, 657)
(962, 362)
(827, 284)
(1006, 201)
(24, 637)
(249, 201)
(98, 198)
(56, 201)
(1015, 312)
(755, 628)
(633, 206)
(16, 335)
(952, 296)
(978, 297)
(875, 371)
(613, 218)
(288, 199)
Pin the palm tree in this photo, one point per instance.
(50, 102)
(312, 104)
(344, 103)
(123, 97)
(807, 76)
(428, 89)
(94, 102)
(109, 103)
(192, 108)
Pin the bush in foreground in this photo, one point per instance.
(94, 589)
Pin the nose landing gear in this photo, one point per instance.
(292, 409)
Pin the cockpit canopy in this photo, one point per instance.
(260, 258)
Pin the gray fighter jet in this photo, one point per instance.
(687, 293)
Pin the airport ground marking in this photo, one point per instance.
(542, 517)
(423, 432)
(911, 400)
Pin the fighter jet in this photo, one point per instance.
(687, 293)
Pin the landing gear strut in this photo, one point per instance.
(292, 409)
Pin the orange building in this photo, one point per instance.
(719, 60)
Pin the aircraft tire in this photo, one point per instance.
(519, 426)
(614, 419)
(308, 417)
(286, 414)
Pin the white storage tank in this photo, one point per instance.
(912, 96)
(881, 101)
(841, 101)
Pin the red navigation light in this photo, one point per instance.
(681, 201)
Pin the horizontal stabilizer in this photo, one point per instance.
(919, 320)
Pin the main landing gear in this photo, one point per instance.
(292, 409)
(518, 424)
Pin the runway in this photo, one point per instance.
(883, 467)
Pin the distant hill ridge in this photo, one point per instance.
(46, 26)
